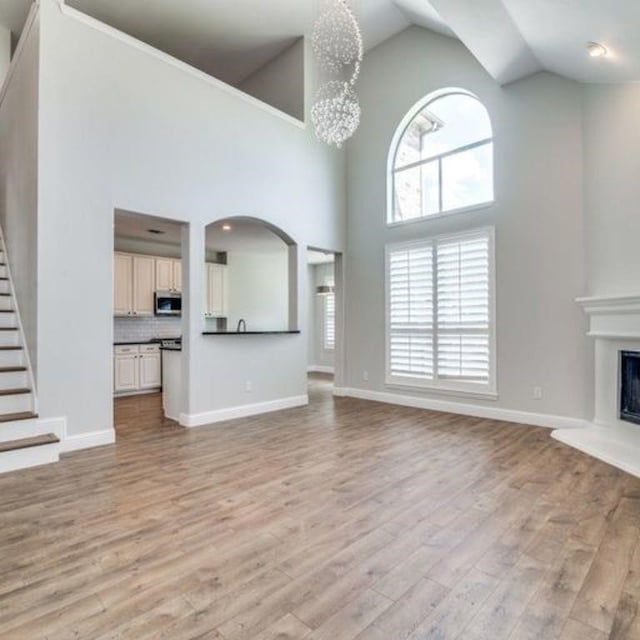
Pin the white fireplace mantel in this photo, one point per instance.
(616, 318)
(614, 322)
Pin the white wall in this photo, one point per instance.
(281, 81)
(258, 289)
(538, 220)
(19, 179)
(5, 52)
(122, 128)
(612, 188)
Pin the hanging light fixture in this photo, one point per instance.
(338, 48)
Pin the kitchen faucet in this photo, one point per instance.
(241, 324)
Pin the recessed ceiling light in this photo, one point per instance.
(226, 227)
(596, 50)
(156, 232)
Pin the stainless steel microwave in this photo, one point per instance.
(168, 303)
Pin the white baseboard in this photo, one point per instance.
(243, 411)
(478, 411)
(320, 368)
(88, 440)
(138, 392)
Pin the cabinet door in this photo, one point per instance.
(122, 284)
(177, 275)
(164, 274)
(150, 371)
(217, 290)
(144, 285)
(126, 376)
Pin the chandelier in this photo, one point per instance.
(337, 45)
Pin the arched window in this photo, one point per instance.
(441, 158)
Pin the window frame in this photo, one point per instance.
(393, 153)
(445, 386)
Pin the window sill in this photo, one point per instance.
(444, 391)
(443, 214)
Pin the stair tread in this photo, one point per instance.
(24, 443)
(13, 417)
(15, 369)
(7, 311)
(11, 347)
(8, 328)
(15, 392)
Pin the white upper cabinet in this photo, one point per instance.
(134, 285)
(122, 284)
(177, 275)
(168, 274)
(144, 285)
(216, 290)
(164, 274)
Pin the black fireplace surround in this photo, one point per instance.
(630, 386)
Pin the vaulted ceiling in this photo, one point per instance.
(511, 38)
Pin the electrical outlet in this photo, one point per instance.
(537, 393)
(248, 387)
(365, 376)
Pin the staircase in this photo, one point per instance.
(24, 440)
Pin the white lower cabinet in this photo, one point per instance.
(150, 367)
(126, 376)
(136, 368)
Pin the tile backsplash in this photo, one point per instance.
(144, 329)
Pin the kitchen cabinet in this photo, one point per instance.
(122, 284)
(177, 275)
(168, 274)
(134, 285)
(136, 368)
(126, 370)
(216, 293)
(144, 285)
(150, 367)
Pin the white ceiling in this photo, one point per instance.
(135, 226)
(243, 235)
(511, 38)
(558, 30)
(230, 39)
(13, 14)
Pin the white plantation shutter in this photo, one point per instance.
(463, 308)
(411, 312)
(329, 322)
(440, 302)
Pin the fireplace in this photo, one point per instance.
(630, 386)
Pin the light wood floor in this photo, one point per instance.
(344, 520)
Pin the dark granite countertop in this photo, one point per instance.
(249, 333)
(152, 341)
